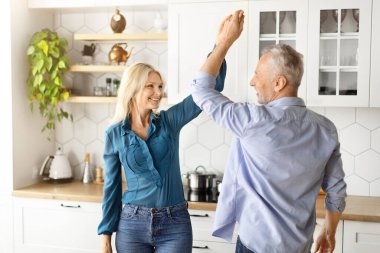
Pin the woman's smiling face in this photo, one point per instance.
(152, 92)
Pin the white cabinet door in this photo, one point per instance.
(202, 222)
(338, 235)
(192, 32)
(339, 53)
(56, 226)
(276, 22)
(361, 237)
(375, 53)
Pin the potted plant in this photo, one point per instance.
(48, 62)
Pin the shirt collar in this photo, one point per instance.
(287, 101)
(126, 124)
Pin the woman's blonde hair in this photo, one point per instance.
(132, 82)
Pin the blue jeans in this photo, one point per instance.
(240, 248)
(159, 230)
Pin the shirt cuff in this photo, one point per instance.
(335, 205)
(204, 80)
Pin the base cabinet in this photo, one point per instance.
(203, 241)
(45, 226)
(361, 237)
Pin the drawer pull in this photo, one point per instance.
(69, 206)
(200, 247)
(199, 215)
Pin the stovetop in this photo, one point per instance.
(210, 196)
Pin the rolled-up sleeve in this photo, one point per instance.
(333, 182)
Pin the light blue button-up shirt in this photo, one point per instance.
(151, 166)
(280, 156)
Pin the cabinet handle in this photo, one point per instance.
(69, 206)
(200, 247)
(199, 215)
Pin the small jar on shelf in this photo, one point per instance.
(109, 87)
(115, 88)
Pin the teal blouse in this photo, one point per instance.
(151, 166)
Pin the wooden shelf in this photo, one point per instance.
(121, 36)
(97, 68)
(91, 99)
(101, 100)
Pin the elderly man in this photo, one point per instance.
(281, 155)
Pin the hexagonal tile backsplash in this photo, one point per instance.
(202, 142)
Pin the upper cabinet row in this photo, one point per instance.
(335, 38)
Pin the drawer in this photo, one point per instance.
(202, 223)
(213, 247)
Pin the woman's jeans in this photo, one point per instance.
(160, 230)
(240, 248)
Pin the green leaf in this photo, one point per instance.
(48, 63)
(54, 51)
(55, 91)
(44, 46)
(30, 50)
(40, 64)
(53, 74)
(57, 81)
(42, 88)
(61, 64)
(34, 70)
(37, 80)
(65, 95)
(54, 101)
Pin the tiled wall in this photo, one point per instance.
(202, 142)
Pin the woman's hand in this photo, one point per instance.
(325, 242)
(106, 247)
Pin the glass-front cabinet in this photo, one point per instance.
(276, 22)
(339, 53)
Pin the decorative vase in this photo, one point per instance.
(159, 23)
(118, 22)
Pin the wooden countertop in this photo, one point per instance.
(357, 208)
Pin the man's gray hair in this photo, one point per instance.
(286, 61)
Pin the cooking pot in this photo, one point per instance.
(200, 180)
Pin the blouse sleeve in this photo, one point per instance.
(112, 189)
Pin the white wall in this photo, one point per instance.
(6, 131)
(30, 146)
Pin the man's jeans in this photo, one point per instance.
(240, 248)
(160, 230)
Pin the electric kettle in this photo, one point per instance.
(56, 168)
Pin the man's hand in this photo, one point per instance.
(325, 242)
(230, 28)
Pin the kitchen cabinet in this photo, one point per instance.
(108, 38)
(361, 237)
(375, 56)
(202, 223)
(338, 65)
(193, 28)
(54, 4)
(276, 22)
(338, 235)
(56, 226)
